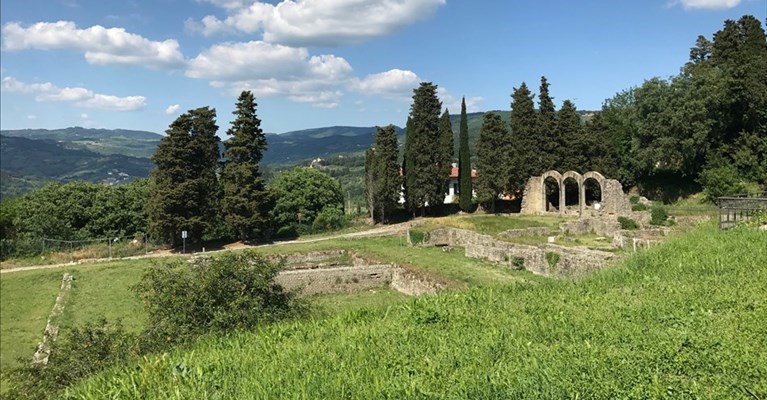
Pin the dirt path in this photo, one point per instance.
(378, 231)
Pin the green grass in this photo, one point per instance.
(329, 304)
(685, 319)
(491, 224)
(26, 300)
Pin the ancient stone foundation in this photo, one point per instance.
(546, 259)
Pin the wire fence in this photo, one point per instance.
(740, 208)
(52, 251)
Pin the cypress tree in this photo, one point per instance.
(246, 203)
(571, 146)
(493, 147)
(464, 161)
(446, 152)
(185, 191)
(547, 120)
(408, 167)
(524, 157)
(427, 185)
(370, 181)
(387, 181)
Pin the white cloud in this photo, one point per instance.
(79, 96)
(84, 116)
(273, 70)
(31, 117)
(395, 83)
(454, 104)
(707, 4)
(100, 45)
(317, 22)
(172, 109)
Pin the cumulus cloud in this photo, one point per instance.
(100, 45)
(79, 96)
(172, 109)
(394, 84)
(317, 22)
(707, 4)
(273, 70)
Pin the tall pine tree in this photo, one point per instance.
(525, 161)
(428, 179)
(464, 161)
(570, 137)
(371, 174)
(493, 147)
(246, 204)
(185, 192)
(408, 166)
(547, 121)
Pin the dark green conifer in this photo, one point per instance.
(464, 162)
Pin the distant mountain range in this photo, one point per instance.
(30, 157)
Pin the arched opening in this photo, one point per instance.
(572, 193)
(593, 193)
(551, 189)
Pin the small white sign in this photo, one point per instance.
(184, 235)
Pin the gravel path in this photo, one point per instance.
(378, 231)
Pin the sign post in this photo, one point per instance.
(184, 235)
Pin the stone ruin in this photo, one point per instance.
(612, 201)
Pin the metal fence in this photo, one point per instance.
(740, 208)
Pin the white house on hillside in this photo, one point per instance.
(453, 188)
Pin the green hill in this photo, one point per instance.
(44, 159)
(684, 319)
(102, 141)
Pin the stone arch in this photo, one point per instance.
(557, 177)
(588, 177)
(569, 195)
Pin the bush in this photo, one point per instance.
(628, 223)
(722, 179)
(330, 218)
(638, 207)
(88, 350)
(228, 292)
(658, 216)
(417, 237)
(634, 199)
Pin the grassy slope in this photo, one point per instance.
(687, 318)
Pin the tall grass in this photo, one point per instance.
(685, 319)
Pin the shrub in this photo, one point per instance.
(89, 349)
(518, 262)
(330, 218)
(658, 216)
(638, 207)
(228, 292)
(552, 258)
(634, 199)
(722, 179)
(417, 237)
(628, 223)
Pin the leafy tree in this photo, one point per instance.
(428, 180)
(524, 157)
(302, 193)
(185, 190)
(599, 152)
(546, 127)
(493, 147)
(386, 182)
(246, 204)
(464, 161)
(570, 154)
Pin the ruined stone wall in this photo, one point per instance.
(532, 201)
(599, 226)
(412, 284)
(571, 261)
(335, 280)
(514, 233)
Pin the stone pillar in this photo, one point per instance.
(562, 197)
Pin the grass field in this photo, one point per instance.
(684, 319)
(491, 224)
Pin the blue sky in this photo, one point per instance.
(139, 64)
